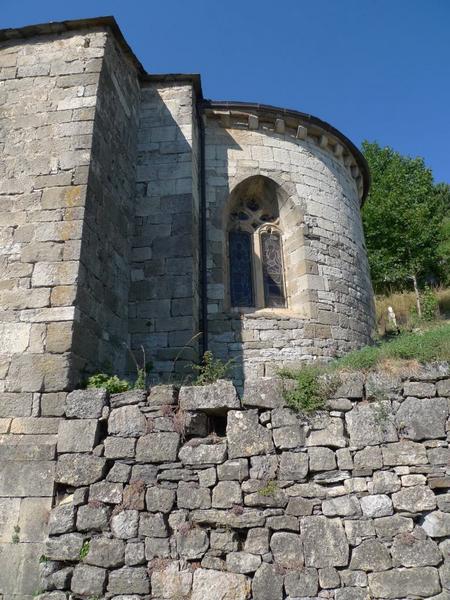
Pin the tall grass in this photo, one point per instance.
(404, 305)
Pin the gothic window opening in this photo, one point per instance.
(255, 255)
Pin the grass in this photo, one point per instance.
(404, 305)
(430, 343)
(313, 384)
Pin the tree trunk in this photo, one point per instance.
(416, 291)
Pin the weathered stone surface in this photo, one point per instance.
(230, 470)
(124, 525)
(171, 582)
(90, 518)
(249, 518)
(263, 467)
(127, 421)
(257, 541)
(385, 482)
(129, 580)
(333, 550)
(86, 404)
(302, 583)
(105, 552)
(404, 453)
(192, 544)
(152, 525)
(371, 555)
(443, 502)
(350, 386)
(293, 466)
(77, 470)
(127, 398)
(389, 527)
(62, 519)
(226, 541)
(88, 580)
(414, 499)
(287, 549)
(158, 447)
(419, 389)
(162, 394)
(264, 392)
(352, 593)
(359, 530)
(421, 419)
(34, 478)
(400, 583)
(64, 547)
(282, 417)
(321, 459)
(242, 562)
(107, 492)
(410, 551)
(331, 435)
(216, 398)
(119, 447)
(159, 499)
(368, 458)
(376, 505)
(343, 506)
(225, 494)
(216, 585)
(155, 548)
(191, 496)
(267, 583)
(203, 454)
(371, 424)
(437, 524)
(443, 388)
(246, 437)
(289, 437)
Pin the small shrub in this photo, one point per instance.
(111, 383)
(84, 549)
(211, 369)
(359, 360)
(43, 559)
(270, 489)
(430, 304)
(311, 391)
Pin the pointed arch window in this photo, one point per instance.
(255, 255)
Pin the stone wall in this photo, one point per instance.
(204, 495)
(330, 307)
(48, 93)
(164, 298)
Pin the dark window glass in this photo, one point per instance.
(272, 270)
(241, 284)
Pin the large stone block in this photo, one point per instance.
(404, 453)
(264, 392)
(203, 453)
(437, 524)
(421, 419)
(77, 470)
(371, 555)
(246, 437)
(408, 550)
(127, 421)
(333, 550)
(371, 424)
(400, 583)
(267, 583)
(217, 585)
(22, 479)
(88, 580)
(129, 580)
(77, 435)
(414, 499)
(105, 552)
(86, 404)
(158, 447)
(216, 398)
(171, 581)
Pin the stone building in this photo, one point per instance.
(136, 214)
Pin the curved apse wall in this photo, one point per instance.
(316, 187)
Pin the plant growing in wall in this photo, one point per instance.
(211, 369)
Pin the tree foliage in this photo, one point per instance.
(403, 220)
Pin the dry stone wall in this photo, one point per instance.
(203, 495)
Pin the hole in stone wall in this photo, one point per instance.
(218, 424)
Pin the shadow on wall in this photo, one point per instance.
(164, 300)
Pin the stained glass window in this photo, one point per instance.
(241, 284)
(272, 270)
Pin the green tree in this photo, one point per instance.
(402, 218)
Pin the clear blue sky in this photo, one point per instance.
(375, 69)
